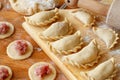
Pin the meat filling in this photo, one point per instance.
(43, 70)
(21, 47)
(3, 73)
(4, 28)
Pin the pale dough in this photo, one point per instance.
(47, 77)
(11, 52)
(109, 36)
(29, 7)
(9, 70)
(104, 71)
(9, 33)
(85, 17)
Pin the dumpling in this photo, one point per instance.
(57, 30)
(29, 7)
(43, 18)
(109, 36)
(85, 17)
(68, 44)
(105, 71)
(86, 57)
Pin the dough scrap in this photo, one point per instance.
(29, 7)
(43, 18)
(9, 33)
(12, 53)
(32, 75)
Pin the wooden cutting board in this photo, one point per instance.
(20, 68)
(72, 72)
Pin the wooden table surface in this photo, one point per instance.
(20, 68)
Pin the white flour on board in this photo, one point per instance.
(31, 61)
(38, 49)
(115, 51)
(87, 39)
(8, 6)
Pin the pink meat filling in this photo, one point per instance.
(3, 73)
(21, 47)
(4, 28)
(41, 71)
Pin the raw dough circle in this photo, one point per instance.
(9, 70)
(32, 76)
(9, 33)
(12, 53)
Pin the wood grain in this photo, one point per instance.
(72, 72)
(20, 68)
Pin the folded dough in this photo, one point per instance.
(104, 71)
(109, 36)
(85, 17)
(43, 18)
(67, 44)
(57, 30)
(29, 7)
(86, 57)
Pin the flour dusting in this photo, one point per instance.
(38, 49)
(104, 26)
(115, 51)
(43, 4)
(31, 61)
(8, 7)
(119, 65)
(87, 39)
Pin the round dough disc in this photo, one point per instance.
(9, 33)
(9, 70)
(32, 76)
(12, 53)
